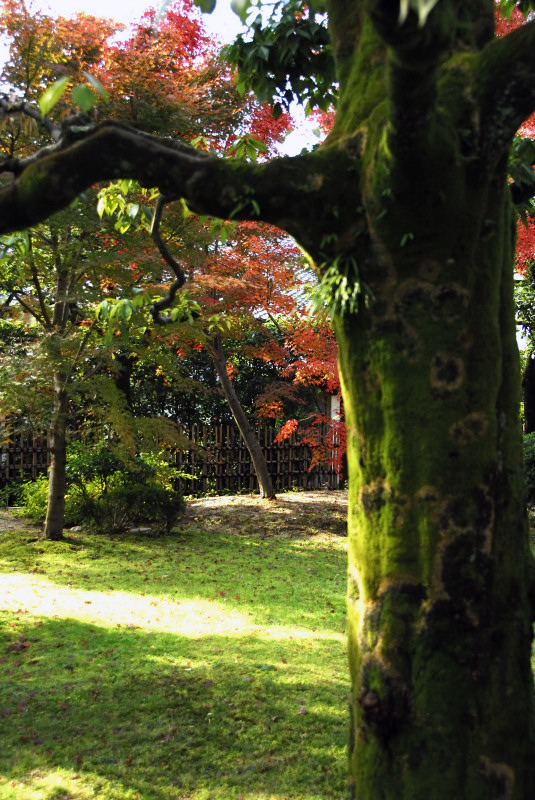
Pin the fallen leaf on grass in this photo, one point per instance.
(17, 647)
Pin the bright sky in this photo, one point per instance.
(222, 22)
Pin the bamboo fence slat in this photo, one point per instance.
(216, 459)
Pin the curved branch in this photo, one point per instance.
(506, 85)
(166, 301)
(288, 192)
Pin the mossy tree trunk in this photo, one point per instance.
(439, 566)
(406, 210)
(440, 617)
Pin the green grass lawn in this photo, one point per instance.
(209, 663)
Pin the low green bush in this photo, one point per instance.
(134, 503)
(108, 494)
(11, 494)
(33, 498)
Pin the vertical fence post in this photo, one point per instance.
(216, 457)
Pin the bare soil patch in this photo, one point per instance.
(288, 515)
(9, 522)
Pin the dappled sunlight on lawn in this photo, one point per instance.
(209, 663)
(195, 617)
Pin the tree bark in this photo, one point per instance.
(528, 388)
(248, 435)
(439, 568)
(406, 211)
(55, 511)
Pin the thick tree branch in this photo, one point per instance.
(414, 55)
(506, 86)
(288, 192)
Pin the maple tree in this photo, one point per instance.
(75, 249)
(49, 281)
(406, 209)
(242, 303)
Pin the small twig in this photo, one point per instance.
(9, 106)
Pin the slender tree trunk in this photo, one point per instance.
(123, 375)
(55, 512)
(528, 387)
(440, 619)
(251, 442)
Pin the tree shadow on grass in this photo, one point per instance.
(156, 714)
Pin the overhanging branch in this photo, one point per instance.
(506, 85)
(287, 192)
(279, 191)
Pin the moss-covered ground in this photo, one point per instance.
(206, 664)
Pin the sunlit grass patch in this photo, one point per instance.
(205, 665)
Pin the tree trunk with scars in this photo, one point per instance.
(408, 202)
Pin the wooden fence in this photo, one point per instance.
(23, 458)
(214, 456)
(219, 463)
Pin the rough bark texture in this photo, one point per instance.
(439, 613)
(409, 195)
(55, 510)
(244, 426)
(528, 389)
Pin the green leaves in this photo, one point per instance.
(121, 310)
(122, 200)
(240, 8)
(508, 6)
(422, 8)
(219, 323)
(206, 6)
(83, 96)
(97, 86)
(18, 243)
(285, 56)
(52, 95)
(247, 147)
(340, 290)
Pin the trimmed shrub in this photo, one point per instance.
(105, 493)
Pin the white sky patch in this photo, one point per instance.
(222, 23)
